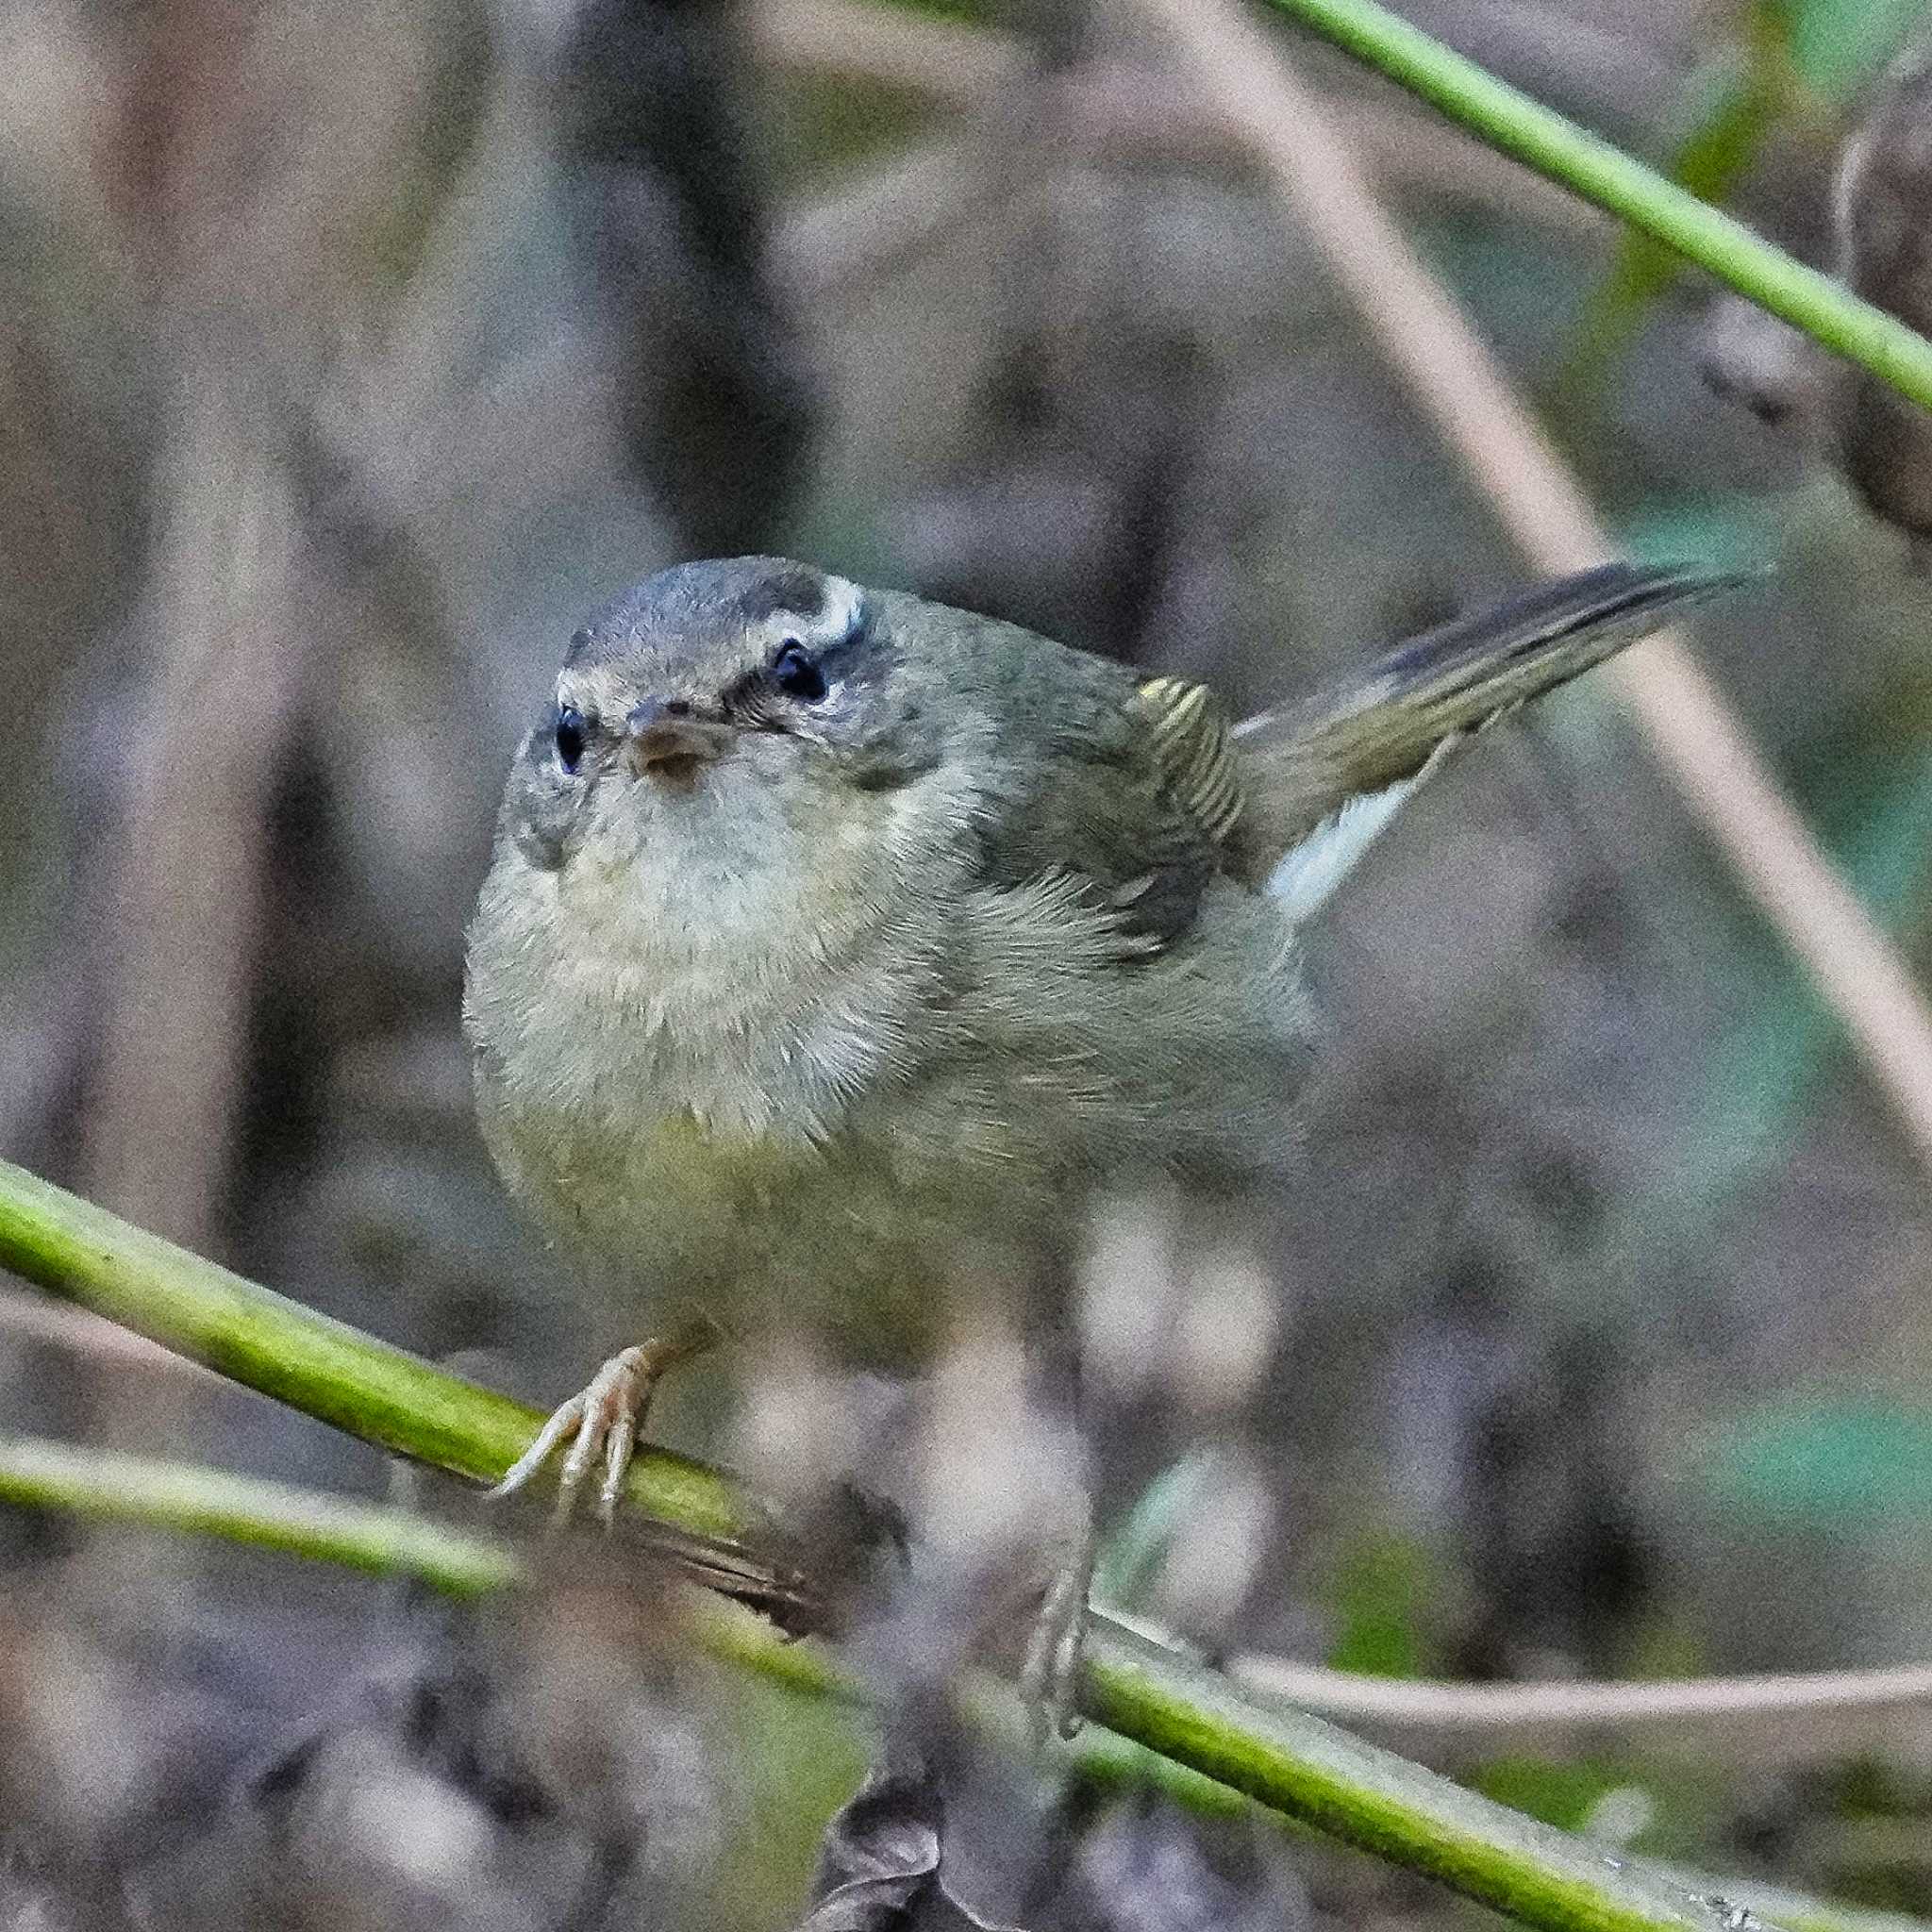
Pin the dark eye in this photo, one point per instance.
(795, 671)
(570, 736)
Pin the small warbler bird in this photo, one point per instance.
(838, 944)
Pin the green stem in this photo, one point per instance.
(246, 1509)
(1150, 1695)
(1510, 120)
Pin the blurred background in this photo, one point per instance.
(350, 352)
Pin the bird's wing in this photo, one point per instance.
(1305, 768)
(1126, 787)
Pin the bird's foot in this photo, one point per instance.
(602, 1422)
(1050, 1672)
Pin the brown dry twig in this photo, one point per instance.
(32, 1319)
(193, 840)
(1839, 1707)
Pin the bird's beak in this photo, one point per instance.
(664, 740)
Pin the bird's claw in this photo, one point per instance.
(601, 1424)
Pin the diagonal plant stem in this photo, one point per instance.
(1146, 1692)
(1545, 140)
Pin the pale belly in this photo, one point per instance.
(865, 1139)
(874, 1255)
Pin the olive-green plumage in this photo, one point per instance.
(836, 939)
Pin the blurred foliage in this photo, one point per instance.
(1849, 1465)
(830, 126)
(1837, 46)
(1734, 110)
(972, 12)
(793, 1764)
(1379, 1600)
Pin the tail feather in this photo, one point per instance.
(1304, 763)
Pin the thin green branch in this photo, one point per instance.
(247, 1510)
(1147, 1694)
(1511, 121)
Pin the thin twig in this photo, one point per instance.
(390, 1542)
(248, 1509)
(1429, 340)
(1710, 1704)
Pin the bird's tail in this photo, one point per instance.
(1307, 765)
